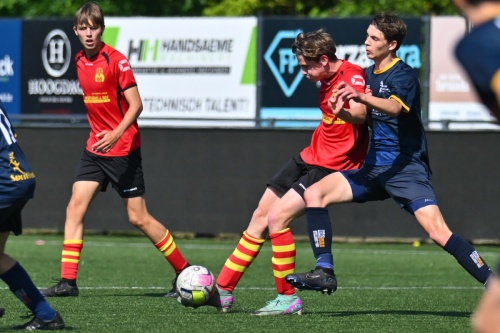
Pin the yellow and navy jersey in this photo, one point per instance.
(479, 54)
(17, 179)
(400, 139)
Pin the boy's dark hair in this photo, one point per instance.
(393, 27)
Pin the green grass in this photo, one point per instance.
(383, 288)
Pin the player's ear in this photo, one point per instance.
(74, 29)
(393, 45)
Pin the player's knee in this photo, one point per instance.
(440, 236)
(259, 214)
(312, 197)
(136, 221)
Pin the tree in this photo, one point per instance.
(309, 8)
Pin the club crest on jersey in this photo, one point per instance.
(99, 75)
(383, 88)
(124, 65)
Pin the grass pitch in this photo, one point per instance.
(382, 288)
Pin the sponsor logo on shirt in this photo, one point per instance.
(357, 80)
(331, 119)
(124, 65)
(18, 173)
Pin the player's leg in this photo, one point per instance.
(411, 187)
(334, 188)
(431, 220)
(18, 280)
(486, 317)
(245, 252)
(281, 215)
(82, 194)
(157, 233)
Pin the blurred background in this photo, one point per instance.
(225, 105)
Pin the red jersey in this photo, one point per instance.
(336, 144)
(103, 79)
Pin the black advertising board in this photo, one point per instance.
(49, 84)
(284, 91)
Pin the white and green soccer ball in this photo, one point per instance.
(195, 285)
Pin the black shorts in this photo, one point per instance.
(123, 172)
(298, 175)
(10, 218)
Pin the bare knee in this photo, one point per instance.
(277, 221)
(258, 224)
(313, 197)
(137, 221)
(440, 236)
(432, 221)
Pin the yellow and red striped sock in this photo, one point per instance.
(70, 258)
(171, 252)
(283, 260)
(243, 255)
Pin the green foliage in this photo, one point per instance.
(236, 8)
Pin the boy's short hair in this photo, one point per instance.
(89, 12)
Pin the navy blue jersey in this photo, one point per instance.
(479, 54)
(17, 180)
(401, 139)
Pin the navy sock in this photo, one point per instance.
(468, 258)
(20, 284)
(319, 230)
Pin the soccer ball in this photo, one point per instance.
(195, 285)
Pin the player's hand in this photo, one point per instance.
(346, 92)
(335, 104)
(368, 90)
(107, 141)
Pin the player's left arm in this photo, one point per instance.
(355, 114)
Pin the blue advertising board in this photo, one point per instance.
(10, 65)
(284, 93)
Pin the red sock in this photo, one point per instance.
(70, 258)
(243, 255)
(171, 252)
(283, 260)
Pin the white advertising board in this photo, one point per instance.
(191, 71)
(452, 96)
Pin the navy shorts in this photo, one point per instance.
(408, 184)
(298, 175)
(10, 218)
(123, 172)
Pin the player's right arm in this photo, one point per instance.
(389, 106)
